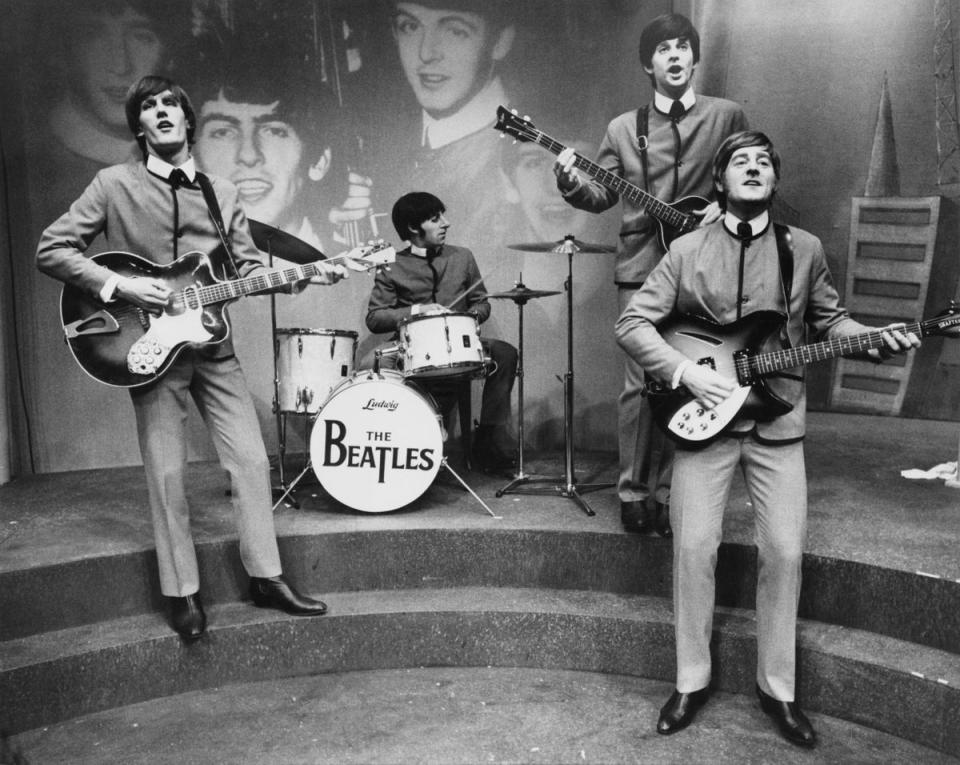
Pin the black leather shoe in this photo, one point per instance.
(276, 592)
(634, 517)
(679, 710)
(187, 617)
(662, 521)
(792, 723)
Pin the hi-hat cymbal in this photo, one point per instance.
(520, 293)
(280, 244)
(562, 247)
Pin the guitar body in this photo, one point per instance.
(121, 345)
(685, 207)
(725, 348)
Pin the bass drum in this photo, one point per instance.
(377, 443)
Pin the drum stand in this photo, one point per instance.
(569, 487)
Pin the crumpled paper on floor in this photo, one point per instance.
(945, 471)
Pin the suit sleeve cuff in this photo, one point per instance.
(678, 373)
(109, 288)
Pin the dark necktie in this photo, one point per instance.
(177, 179)
(744, 234)
(676, 112)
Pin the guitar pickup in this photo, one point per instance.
(99, 323)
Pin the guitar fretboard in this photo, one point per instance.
(775, 361)
(664, 212)
(219, 292)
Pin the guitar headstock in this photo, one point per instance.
(511, 123)
(370, 255)
(947, 322)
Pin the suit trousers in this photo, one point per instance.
(638, 436)
(220, 392)
(777, 487)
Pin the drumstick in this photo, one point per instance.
(464, 293)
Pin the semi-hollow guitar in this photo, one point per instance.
(119, 344)
(731, 349)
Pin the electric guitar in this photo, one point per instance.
(729, 350)
(672, 219)
(126, 346)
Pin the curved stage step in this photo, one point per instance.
(447, 715)
(893, 686)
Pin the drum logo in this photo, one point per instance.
(373, 450)
(380, 404)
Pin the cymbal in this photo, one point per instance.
(521, 293)
(561, 247)
(280, 244)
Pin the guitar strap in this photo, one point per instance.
(213, 206)
(785, 255)
(643, 118)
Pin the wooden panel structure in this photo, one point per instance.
(889, 263)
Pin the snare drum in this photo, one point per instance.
(377, 443)
(441, 345)
(310, 364)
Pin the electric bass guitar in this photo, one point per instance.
(729, 349)
(673, 219)
(125, 346)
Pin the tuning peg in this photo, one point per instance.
(526, 117)
(515, 113)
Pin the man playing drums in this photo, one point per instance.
(434, 279)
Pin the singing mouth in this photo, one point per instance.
(675, 69)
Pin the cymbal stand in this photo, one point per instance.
(283, 490)
(569, 487)
(520, 477)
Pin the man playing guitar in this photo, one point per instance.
(741, 265)
(160, 208)
(665, 148)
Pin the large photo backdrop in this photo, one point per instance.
(324, 112)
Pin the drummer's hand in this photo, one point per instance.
(567, 179)
(330, 273)
(429, 309)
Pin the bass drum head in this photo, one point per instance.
(377, 443)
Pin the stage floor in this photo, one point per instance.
(861, 509)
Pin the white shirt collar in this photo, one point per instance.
(476, 114)
(163, 168)
(663, 103)
(757, 225)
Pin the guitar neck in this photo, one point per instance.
(660, 210)
(776, 361)
(266, 279)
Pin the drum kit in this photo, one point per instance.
(376, 436)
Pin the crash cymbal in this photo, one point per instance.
(280, 244)
(561, 247)
(522, 293)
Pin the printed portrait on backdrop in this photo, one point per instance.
(451, 53)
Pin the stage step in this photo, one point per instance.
(907, 690)
(446, 715)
